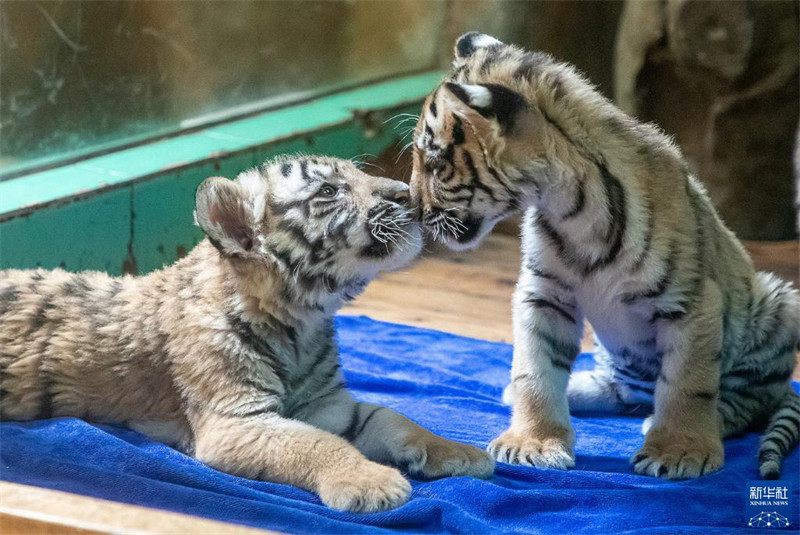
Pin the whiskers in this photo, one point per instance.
(444, 225)
(387, 226)
(404, 124)
(360, 162)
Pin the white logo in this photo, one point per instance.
(768, 520)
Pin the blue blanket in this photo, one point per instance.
(447, 383)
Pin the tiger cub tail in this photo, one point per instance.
(780, 437)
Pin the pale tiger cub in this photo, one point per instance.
(230, 354)
(617, 231)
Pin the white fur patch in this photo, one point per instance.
(479, 96)
(483, 41)
(256, 187)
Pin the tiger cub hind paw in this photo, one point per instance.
(683, 458)
(370, 488)
(519, 448)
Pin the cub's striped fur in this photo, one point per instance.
(230, 354)
(618, 231)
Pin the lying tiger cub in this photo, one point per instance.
(230, 354)
(616, 230)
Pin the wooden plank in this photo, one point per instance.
(27, 510)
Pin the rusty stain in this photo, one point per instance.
(181, 251)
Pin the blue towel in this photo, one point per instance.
(451, 385)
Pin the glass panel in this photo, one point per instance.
(78, 77)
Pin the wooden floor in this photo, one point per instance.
(469, 293)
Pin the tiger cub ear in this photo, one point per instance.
(470, 42)
(491, 101)
(223, 210)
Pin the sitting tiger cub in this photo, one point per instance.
(230, 354)
(617, 230)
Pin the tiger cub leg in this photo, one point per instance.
(270, 447)
(387, 437)
(685, 436)
(547, 333)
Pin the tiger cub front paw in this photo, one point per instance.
(434, 457)
(369, 488)
(527, 449)
(678, 455)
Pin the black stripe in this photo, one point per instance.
(541, 302)
(538, 272)
(794, 419)
(668, 315)
(349, 432)
(769, 336)
(295, 229)
(449, 174)
(475, 179)
(365, 421)
(40, 317)
(696, 204)
(615, 197)
(783, 444)
(458, 131)
(532, 64)
(255, 343)
(280, 208)
(615, 232)
(648, 237)
(552, 235)
(46, 382)
(580, 201)
(304, 170)
(333, 389)
(559, 364)
(432, 107)
(768, 454)
(552, 122)
(754, 378)
(566, 349)
(661, 285)
(286, 169)
(8, 295)
(786, 432)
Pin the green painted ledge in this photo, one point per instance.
(131, 211)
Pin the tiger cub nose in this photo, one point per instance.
(396, 192)
(434, 161)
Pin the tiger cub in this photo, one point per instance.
(230, 354)
(618, 231)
